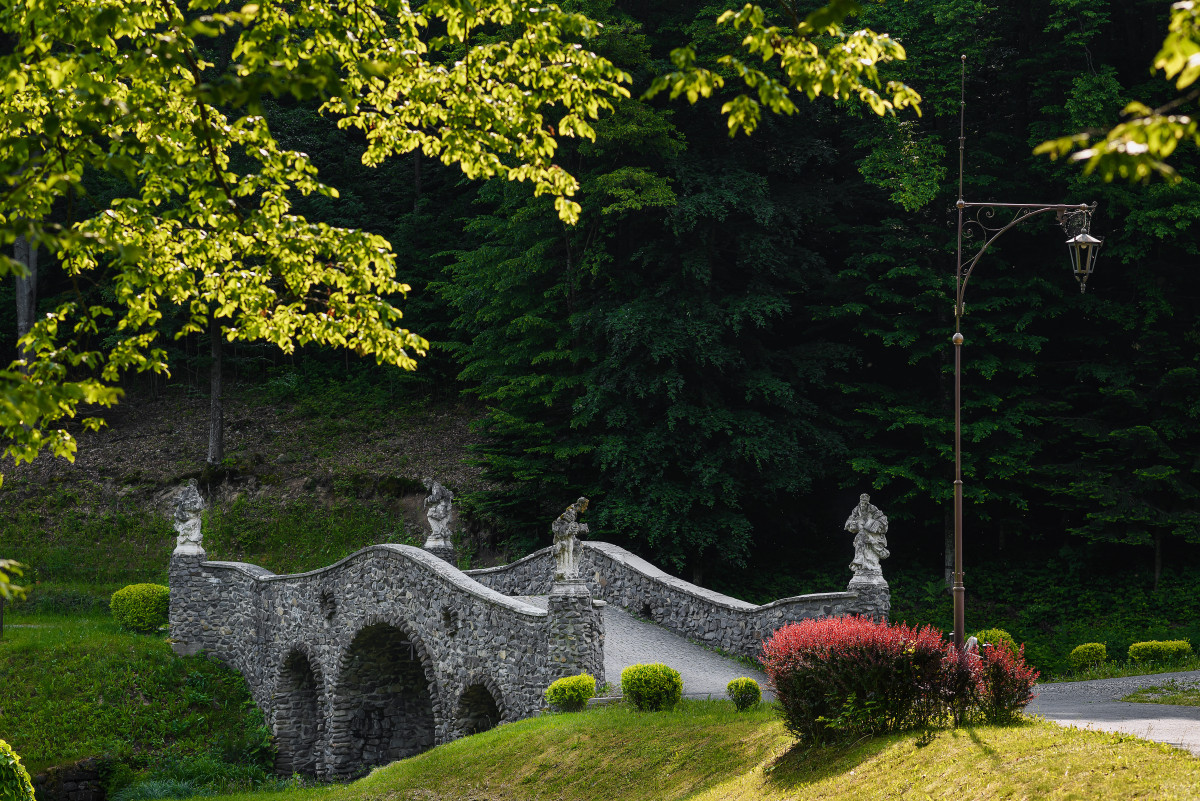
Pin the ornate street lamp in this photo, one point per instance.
(1083, 247)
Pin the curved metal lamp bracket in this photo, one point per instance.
(982, 219)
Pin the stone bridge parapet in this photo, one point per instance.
(621, 578)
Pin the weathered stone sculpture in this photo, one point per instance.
(869, 526)
(576, 622)
(438, 502)
(566, 541)
(188, 507)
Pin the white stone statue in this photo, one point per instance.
(566, 541)
(438, 503)
(869, 526)
(188, 506)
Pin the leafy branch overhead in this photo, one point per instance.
(815, 56)
(128, 88)
(1137, 149)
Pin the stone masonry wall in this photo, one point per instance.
(76, 782)
(367, 659)
(616, 576)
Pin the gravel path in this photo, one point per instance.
(630, 641)
(1095, 705)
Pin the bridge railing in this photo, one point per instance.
(619, 577)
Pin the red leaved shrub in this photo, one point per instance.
(1005, 684)
(852, 675)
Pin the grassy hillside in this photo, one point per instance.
(77, 686)
(308, 478)
(707, 752)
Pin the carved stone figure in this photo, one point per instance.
(566, 541)
(438, 504)
(188, 506)
(869, 526)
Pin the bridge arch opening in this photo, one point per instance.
(299, 719)
(477, 711)
(382, 708)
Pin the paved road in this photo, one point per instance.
(1095, 705)
(630, 641)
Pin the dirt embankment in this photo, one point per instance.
(274, 453)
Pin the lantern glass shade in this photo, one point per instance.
(1083, 249)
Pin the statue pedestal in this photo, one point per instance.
(442, 549)
(575, 630)
(184, 611)
(874, 596)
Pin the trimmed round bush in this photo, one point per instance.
(997, 638)
(744, 693)
(1159, 651)
(14, 779)
(141, 607)
(571, 694)
(1087, 656)
(651, 688)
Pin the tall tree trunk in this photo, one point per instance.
(216, 417)
(26, 253)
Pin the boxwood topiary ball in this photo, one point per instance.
(651, 688)
(571, 694)
(141, 607)
(744, 693)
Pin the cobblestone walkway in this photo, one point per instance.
(630, 641)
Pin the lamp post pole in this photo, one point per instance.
(1082, 247)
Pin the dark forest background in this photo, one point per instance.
(741, 335)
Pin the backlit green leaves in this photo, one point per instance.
(815, 56)
(9, 570)
(206, 223)
(1137, 149)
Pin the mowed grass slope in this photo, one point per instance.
(73, 687)
(707, 752)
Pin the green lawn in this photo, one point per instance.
(707, 752)
(1172, 692)
(78, 686)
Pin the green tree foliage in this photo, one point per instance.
(1137, 148)
(8, 571)
(205, 222)
(651, 358)
(1078, 411)
(815, 55)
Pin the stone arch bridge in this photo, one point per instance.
(392, 650)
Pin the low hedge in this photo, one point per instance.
(1159, 651)
(141, 607)
(744, 692)
(997, 638)
(652, 688)
(571, 694)
(1087, 656)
